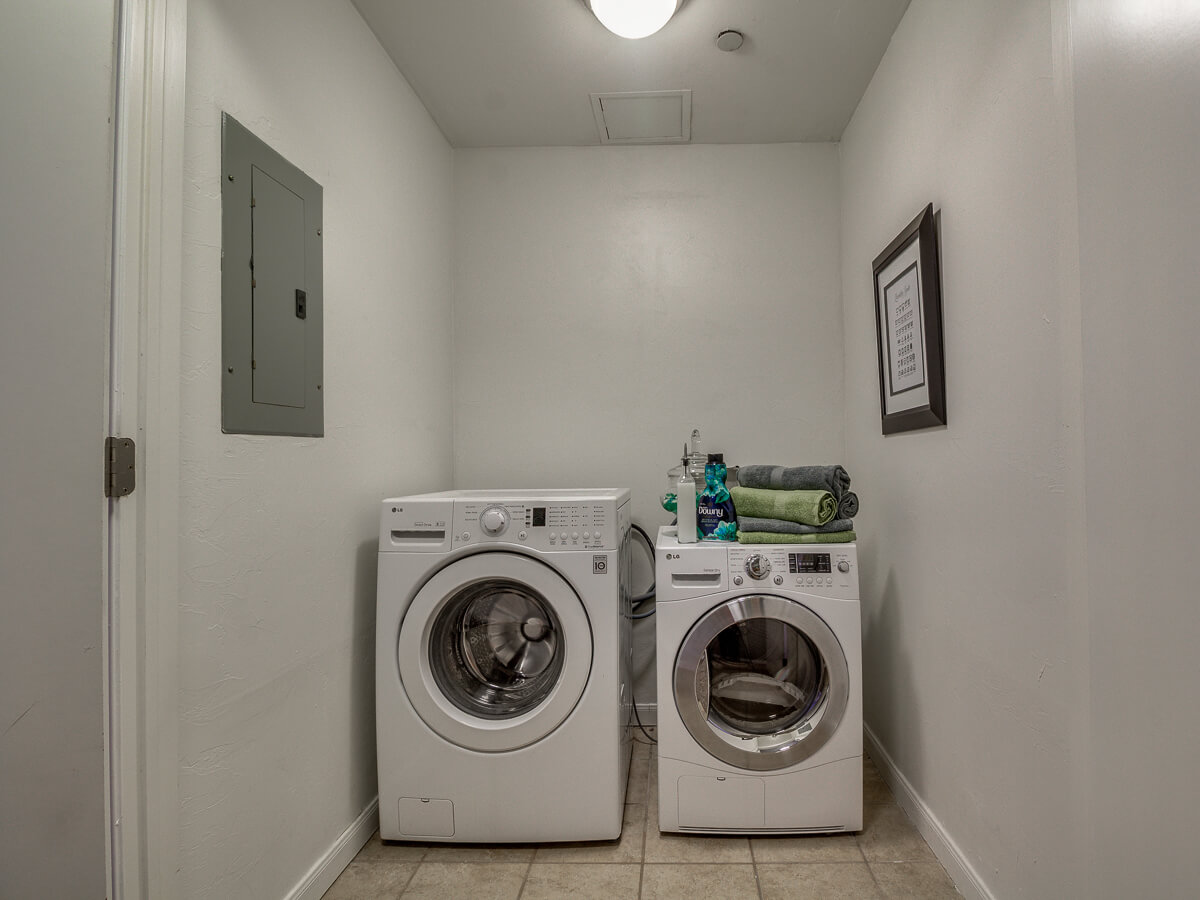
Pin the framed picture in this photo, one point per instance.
(908, 324)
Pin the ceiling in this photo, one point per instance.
(518, 73)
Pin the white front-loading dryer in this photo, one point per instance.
(503, 648)
(759, 687)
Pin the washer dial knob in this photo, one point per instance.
(843, 566)
(758, 566)
(494, 520)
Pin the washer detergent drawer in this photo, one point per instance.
(425, 817)
(722, 801)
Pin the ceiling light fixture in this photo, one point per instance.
(633, 19)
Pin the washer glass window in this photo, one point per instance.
(764, 677)
(496, 648)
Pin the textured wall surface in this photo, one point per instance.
(973, 610)
(1137, 105)
(277, 558)
(607, 300)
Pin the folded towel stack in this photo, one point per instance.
(794, 505)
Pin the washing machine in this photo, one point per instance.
(503, 652)
(759, 687)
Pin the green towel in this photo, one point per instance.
(774, 537)
(805, 507)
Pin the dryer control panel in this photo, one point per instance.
(830, 569)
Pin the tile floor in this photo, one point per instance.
(888, 859)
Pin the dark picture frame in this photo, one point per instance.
(908, 328)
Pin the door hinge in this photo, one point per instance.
(119, 460)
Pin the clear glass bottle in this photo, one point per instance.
(696, 460)
(685, 499)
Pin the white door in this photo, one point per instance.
(494, 651)
(56, 89)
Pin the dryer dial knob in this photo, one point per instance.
(843, 566)
(494, 520)
(758, 566)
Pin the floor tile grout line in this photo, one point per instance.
(754, 864)
(525, 878)
(411, 876)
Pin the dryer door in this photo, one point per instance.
(761, 682)
(495, 651)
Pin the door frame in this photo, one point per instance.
(142, 564)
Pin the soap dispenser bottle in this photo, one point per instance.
(685, 503)
(715, 514)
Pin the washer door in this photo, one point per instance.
(761, 682)
(495, 651)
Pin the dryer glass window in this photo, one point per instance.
(764, 677)
(761, 682)
(496, 649)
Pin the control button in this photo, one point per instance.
(466, 535)
(758, 566)
(574, 535)
(494, 520)
(737, 579)
(522, 535)
(779, 579)
(843, 566)
(808, 581)
(587, 535)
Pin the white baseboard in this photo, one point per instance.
(960, 870)
(326, 869)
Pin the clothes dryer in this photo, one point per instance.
(503, 701)
(759, 687)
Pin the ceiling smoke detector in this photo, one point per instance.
(730, 40)
(633, 19)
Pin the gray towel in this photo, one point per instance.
(848, 505)
(781, 526)
(834, 479)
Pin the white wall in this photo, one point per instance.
(1137, 78)
(973, 598)
(277, 555)
(607, 300)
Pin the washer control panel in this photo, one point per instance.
(548, 525)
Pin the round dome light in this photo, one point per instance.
(634, 18)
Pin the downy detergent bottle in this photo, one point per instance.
(715, 517)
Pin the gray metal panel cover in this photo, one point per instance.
(272, 357)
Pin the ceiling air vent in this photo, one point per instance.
(644, 117)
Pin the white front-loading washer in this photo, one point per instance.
(503, 700)
(759, 687)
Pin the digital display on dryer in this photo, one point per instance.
(815, 563)
(539, 516)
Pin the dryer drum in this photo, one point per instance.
(761, 682)
(764, 677)
(496, 649)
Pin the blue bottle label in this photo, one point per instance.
(715, 517)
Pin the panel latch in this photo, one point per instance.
(120, 456)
